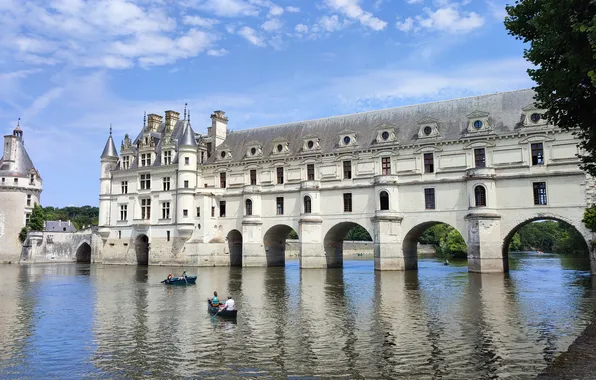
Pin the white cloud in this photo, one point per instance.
(251, 36)
(406, 25)
(291, 9)
(351, 9)
(330, 23)
(275, 11)
(301, 28)
(415, 1)
(450, 20)
(497, 9)
(108, 34)
(199, 21)
(272, 25)
(229, 8)
(217, 52)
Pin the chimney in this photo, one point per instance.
(172, 118)
(219, 127)
(153, 122)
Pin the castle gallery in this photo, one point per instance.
(485, 165)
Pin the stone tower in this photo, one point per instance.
(20, 190)
(109, 159)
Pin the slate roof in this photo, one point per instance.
(22, 164)
(59, 226)
(110, 148)
(505, 114)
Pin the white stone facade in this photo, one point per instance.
(20, 190)
(485, 165)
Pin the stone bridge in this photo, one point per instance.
(62, 247)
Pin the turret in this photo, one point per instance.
(109, 159)
(187, 179)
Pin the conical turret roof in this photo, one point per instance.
(188, 136)
(110, 149)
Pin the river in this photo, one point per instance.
(97, 321)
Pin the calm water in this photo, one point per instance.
(95, 321)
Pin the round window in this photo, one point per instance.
(280, 148)
(478, 124)
(535, 117)
(223, 154)
(310, 144)
(385, 135)
(347, 140)
(427, 130)
(253, 151)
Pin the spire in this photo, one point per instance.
(144, 120)
(18, 131)
(110, 149)
(188, 135)
(185, 104)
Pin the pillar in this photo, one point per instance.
(312, 251)
(485, 245)
(387, 240)
(253, 252)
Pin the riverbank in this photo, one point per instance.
(578, 362)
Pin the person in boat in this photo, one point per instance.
(229, 305)
(170, 276)
(183, 276)
(215, 300)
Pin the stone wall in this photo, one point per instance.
(58, 247)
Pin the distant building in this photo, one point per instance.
(59, 226)
(20, 190)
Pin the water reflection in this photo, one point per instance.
(79, 320)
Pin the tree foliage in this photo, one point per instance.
(446, 239)
(562, 38)
(37, 219)
(589, 219)
(358, 234)
(81, 217)
(548, 236)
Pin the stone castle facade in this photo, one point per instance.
(20, 190)
(485, 165)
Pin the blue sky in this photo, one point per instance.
(69, 68)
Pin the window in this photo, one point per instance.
(307, 205)
(384, 200)
(168, 235)
(386, 165)
(212, 211)
(479, 158)
(310, 172)
(3, 180)
(185, 213)
(186, 160)
(429, 199)
(123, 213)
(347, 169)
(166, 183)
(248, 207)
(124, 187)
(145, 181)
(165, 210)
(222, 209)
(429, 163)
(146, 208)
(28, 199)
(202, 157)
(125, 162)
(222, 180)
(539, 193)
(209, 149)
(280, 175)
(537, 154)
(32, 179)
(253, 177)
(119, 234)
(280, 205)
(198, 212)
(480, 196)
(347, 202)
(167, 157)
(186, 184)
(27, 219)
(145, 159)
(16, 181)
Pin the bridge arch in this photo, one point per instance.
(333, 242)
(142, 249)
(274, 242)
(83, 253)
(508, 237)
(234, 239)
(410, 241)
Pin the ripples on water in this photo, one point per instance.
(96, 321)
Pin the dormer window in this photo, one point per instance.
(428, 128)
(478, 122)
(125, 162)
(385, 134)
(427, 131)
(145, 159)
(254, 149)
(347, 139)
(280, 146)
(533, 116)
(224, 153)
(310, 143)
(167, 157)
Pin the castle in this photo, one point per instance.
(485, 165)
(20, 190)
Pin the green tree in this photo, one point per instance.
(589, 219)
(292, 235)
(37, 219)
(358, 234)
(562, 38)
(515, 245)
(455, 244)
(23, 234)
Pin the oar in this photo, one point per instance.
(215, 315)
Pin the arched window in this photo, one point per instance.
(307, 205)
(480, 196)
(248, 207)
(384, 198)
